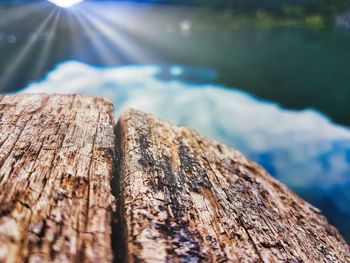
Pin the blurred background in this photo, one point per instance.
(268, 77)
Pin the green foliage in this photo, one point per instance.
(314, 21)
(290, 8)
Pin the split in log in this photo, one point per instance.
(180, 197)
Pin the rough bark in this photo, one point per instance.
(56, 157)
(182, 196)
(187, 198)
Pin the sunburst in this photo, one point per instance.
(65, 3)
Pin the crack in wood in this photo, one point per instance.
(74, 188)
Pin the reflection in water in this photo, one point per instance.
(304, 149)
(291, 64)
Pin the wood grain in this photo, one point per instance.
(181, 197)
(56, 156)
(187, 198)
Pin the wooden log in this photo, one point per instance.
(56, 155)
(187, 198)
(182, 197)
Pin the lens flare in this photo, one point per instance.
(65, 3)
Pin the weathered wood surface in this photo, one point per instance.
(181, 197)
(56, 157)
(186, 198)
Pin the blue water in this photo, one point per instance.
(303, 149)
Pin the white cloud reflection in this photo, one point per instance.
(304, 149)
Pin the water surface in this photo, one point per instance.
(297, 66)
(303, 149)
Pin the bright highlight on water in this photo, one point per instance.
(65, 3)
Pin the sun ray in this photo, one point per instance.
(18, 14)
(111, 34)
(101, 48)
(24, 53)
(138, 23)
(73, 31)
(40, 64)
